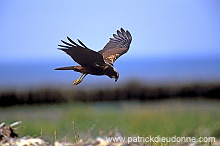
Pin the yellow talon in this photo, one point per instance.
(76, 82)
(79, 80)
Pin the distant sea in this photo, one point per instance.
(31, 74)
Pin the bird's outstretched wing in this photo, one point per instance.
(116, 46)
(82, 54)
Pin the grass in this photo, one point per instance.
(164, 118)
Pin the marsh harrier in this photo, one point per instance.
(97, 63)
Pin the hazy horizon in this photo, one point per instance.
(149, 71)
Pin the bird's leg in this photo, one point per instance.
(79, 80)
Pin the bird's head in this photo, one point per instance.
(113, 73)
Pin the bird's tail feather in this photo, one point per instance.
(75, 68)
(65, 68)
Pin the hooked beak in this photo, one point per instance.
(116, 79)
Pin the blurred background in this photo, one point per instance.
(172, 65)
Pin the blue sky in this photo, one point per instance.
(31, 30)
(163, 31)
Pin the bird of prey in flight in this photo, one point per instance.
(97, 63)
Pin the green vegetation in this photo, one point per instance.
(162, 117)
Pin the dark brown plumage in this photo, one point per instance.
(97, 63)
